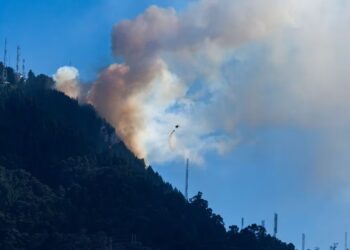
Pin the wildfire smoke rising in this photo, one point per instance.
(67, 81)
(223, 64)
(144, 97)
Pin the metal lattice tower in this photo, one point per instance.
(242, 223)
(275, 227)
(263, 223)
(346, 241)
(303, 241)
(18, 59)
(24, 68)
(186, 181)
(4, 71)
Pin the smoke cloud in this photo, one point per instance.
(67, 81)
(171, 75)
(223, 65)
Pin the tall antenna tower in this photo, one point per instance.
(4, 71)
(303, 241)
(346, 241)
(275, 225)
(5, 52)
(18, 59)
(242, 223)
(263, 223)
(24, 68)
(186, 183)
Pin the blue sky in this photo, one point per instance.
(270, 171)
(63, 31)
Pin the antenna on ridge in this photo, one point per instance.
(186, 184)
(4, 71)
(23, 68)
(275, 225)
(18, 59)
(346, 241)
(303, 241)
(5, 52)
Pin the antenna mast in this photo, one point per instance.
(4, 71)
(275, 225)
(346, 241)
(186, 184)
(23, 69)
(18, 59)
(303, 242)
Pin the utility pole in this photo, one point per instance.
(186, 181)
(23, 69)
(346, 241)
(4, 71)
(18, 59)
(275, 225)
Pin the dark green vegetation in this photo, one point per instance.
(67, 183)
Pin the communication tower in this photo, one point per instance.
(275, 227)
(4, 71)
(186, 181)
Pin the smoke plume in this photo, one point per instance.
(171, 63)
(223, 65)
(67, 81)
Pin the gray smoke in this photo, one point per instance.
(166, 54)
(221, 65)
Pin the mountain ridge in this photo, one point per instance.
(68, 183)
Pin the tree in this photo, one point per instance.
(65, 184)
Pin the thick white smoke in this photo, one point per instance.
(221, 65)
(172, 75)
(67, 81)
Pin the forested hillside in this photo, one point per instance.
(67, 182)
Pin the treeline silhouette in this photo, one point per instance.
(67, 182)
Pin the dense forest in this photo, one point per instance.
(68, 182)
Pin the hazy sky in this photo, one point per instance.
(291, 128)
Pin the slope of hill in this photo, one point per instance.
(64, 184)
